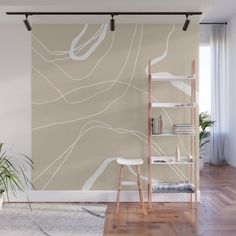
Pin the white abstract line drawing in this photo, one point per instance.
(83, 45)
(131, 86)
(113, 82)
(61, 164)
(118, 98)
(91, 180)
(69, 76)
(107, 107)
(56, 53)
(74, 49)
(100, 170)
(103, 125)
(79, 88)
(83, 130)
(70, 149)
(164, 54)
(181, 85)
(92, 49)
(48, 81)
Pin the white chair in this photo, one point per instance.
(129, 162)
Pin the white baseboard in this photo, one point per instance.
(98, 196)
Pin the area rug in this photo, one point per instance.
(52, 219)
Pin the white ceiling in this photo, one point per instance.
(221, 11)
(213, 10)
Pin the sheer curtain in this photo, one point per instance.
(219, 95)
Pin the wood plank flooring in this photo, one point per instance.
(214, 216)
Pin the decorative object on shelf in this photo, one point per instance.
(154, 126)
(178, 187)
(160, 125)
(12, 173)
(189, 158)
(205, 123)
(177, 154)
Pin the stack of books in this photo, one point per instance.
(187, 129)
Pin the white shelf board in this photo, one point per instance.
(170, 160)
(169, 134)
(173, 163)
(171, 78)
(172, 105)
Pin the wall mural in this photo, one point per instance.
(89, 100)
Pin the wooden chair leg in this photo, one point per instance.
(119, 188)
(140, 187)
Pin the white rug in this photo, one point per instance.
(52, 219)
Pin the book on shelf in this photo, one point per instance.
(157, 125)
(154, 126)
(183, 129)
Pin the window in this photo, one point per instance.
(205, 78)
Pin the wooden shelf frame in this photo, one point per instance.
(193, 165)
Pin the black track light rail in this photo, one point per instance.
(112, 14)
(28, 13)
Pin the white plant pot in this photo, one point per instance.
(201, 163)
(1, 201)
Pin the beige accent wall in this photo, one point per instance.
(89, 102)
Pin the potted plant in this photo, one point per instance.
(12, 173)
(205, 123)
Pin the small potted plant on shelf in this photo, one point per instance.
(12, 173)
(205, 123)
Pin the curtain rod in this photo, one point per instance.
(213, 23)
(103, 13)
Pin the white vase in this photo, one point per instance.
(201, 163)
(177, 154)
(1, 201)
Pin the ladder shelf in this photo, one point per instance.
(183, 130)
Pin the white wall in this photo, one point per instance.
(231, 34)
(15, 88)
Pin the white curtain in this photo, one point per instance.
(219, 95)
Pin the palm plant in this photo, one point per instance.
(205, 123)
(12, 172)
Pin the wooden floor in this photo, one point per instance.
(214, 216)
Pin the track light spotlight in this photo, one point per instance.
(27, 24)
(112, 23)
(186, 24)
